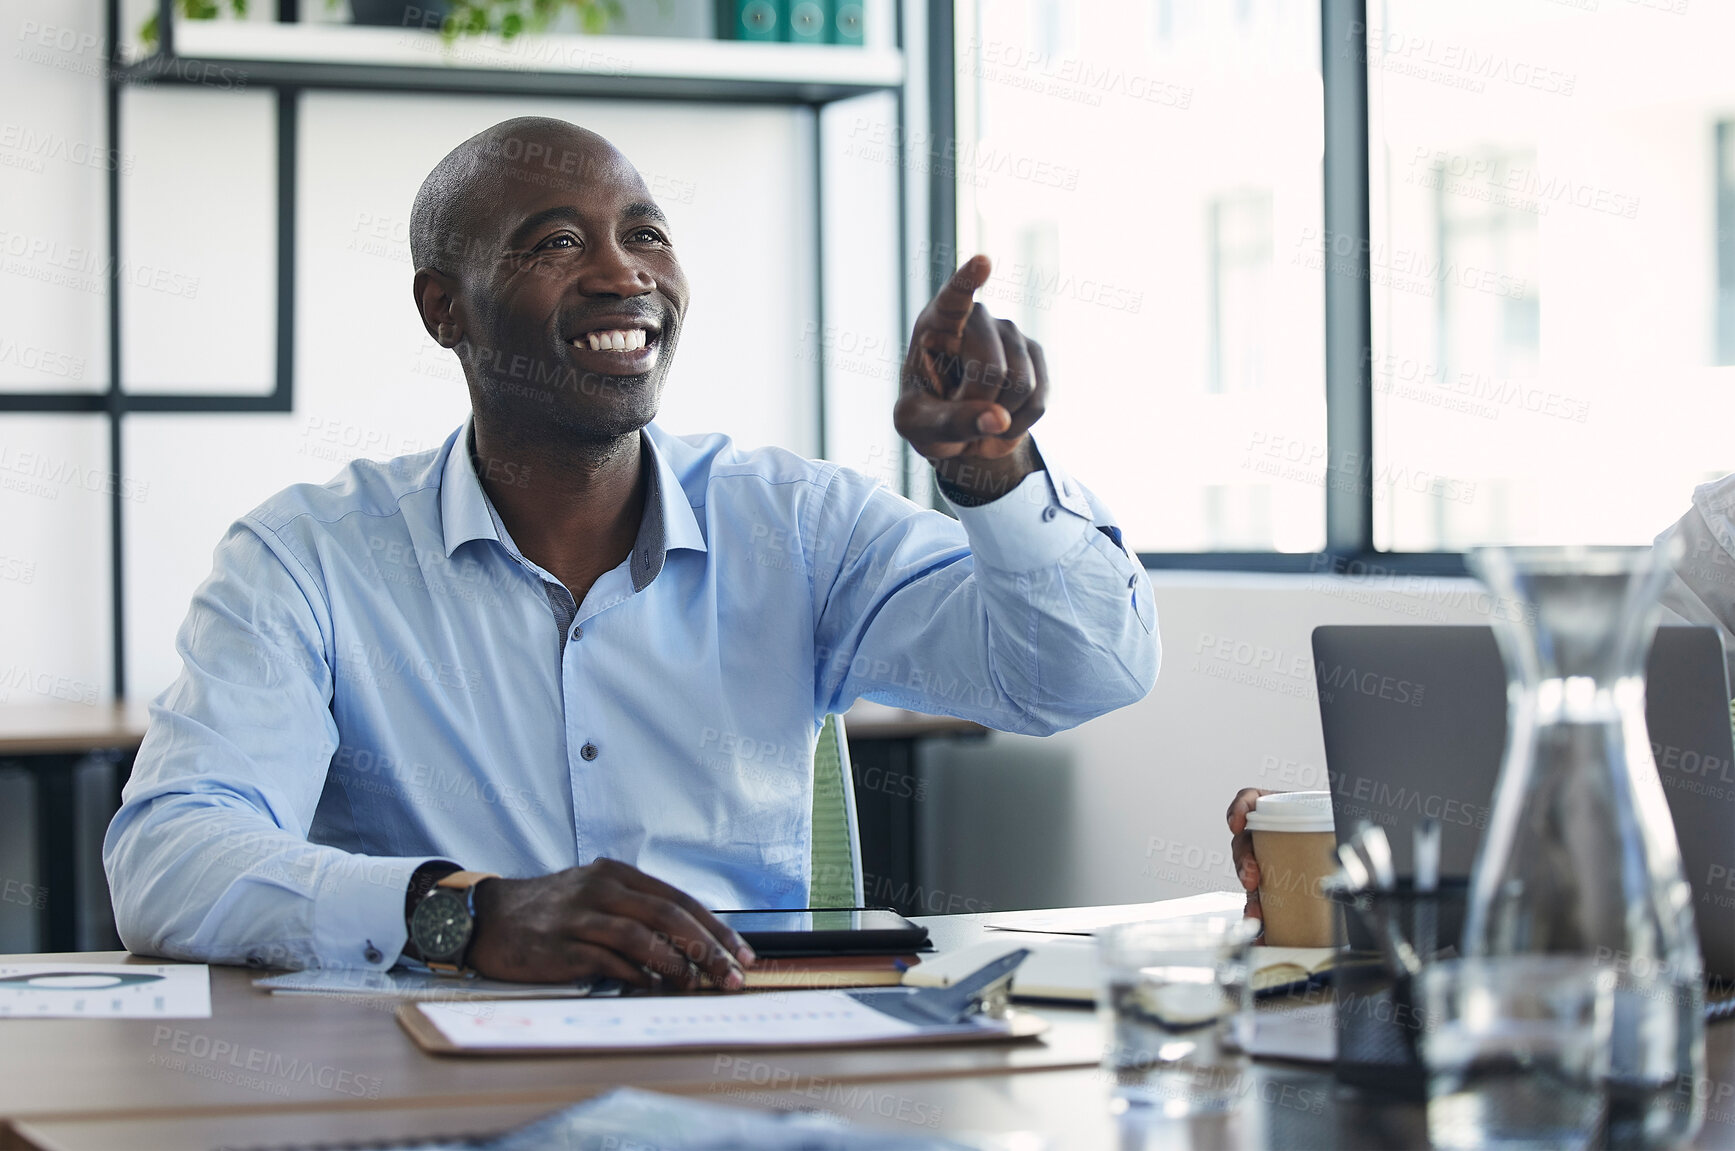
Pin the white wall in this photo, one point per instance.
(54, 617)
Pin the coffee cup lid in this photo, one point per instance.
(1292, 811)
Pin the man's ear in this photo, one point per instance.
(436, 300)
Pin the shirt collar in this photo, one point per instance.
(467, 514)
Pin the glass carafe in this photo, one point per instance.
(1580, 856)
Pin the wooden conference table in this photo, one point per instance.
(78, 1085)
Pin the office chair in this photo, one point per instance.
(835, 879)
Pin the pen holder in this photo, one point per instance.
(1379, 1016)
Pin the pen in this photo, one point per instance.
(1427, 861)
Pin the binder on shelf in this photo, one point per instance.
(846, 22)
(791, 21)
(752, 19)
(809, 21)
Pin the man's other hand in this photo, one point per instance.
(603, 920)
(1241, 846)
(971, 387)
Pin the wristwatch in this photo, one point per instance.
(444, 922)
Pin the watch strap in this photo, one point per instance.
(458, 880)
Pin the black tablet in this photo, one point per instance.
(827, 931)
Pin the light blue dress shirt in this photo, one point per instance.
(375, 677)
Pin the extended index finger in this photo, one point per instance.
(951, 308)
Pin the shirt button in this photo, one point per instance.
(588, 751)
(1049, 513)
(577, 633)
(372, 954)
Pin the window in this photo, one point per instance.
(1241, 273)
(1551, 259)
(1550, 270)
(1726, 242)
(1147, 177)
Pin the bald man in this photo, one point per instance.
(530, 703)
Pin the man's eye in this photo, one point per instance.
(648, 235)
(563, 240)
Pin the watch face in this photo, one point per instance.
(440, 926)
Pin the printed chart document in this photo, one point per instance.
(706, 1022)
(105, 991)
(1090, 920)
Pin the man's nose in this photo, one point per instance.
(613, 271)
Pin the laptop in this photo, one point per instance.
(1415, 725)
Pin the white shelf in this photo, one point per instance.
(345, 55)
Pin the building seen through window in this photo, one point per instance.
(1552, 261)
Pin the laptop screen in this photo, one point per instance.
(1414, 720)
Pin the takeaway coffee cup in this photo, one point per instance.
(1296, 849)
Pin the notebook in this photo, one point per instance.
(1065, 969)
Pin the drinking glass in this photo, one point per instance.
(1516, 1048)
(1178, 1008)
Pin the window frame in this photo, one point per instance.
(1349, 508)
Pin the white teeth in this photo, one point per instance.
(619, 340)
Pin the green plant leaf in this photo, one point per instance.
(512, 18)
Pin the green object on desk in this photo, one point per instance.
(835, 878)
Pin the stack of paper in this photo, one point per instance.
(1090, 920)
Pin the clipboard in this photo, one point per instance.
(975, 1010)
(1018, 1026)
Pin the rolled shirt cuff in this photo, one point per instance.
(1035, 525)
(358, 918)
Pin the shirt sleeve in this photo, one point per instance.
(1026, 614)
(1701, 589)
(208, 858)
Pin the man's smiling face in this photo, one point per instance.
(571, 297)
